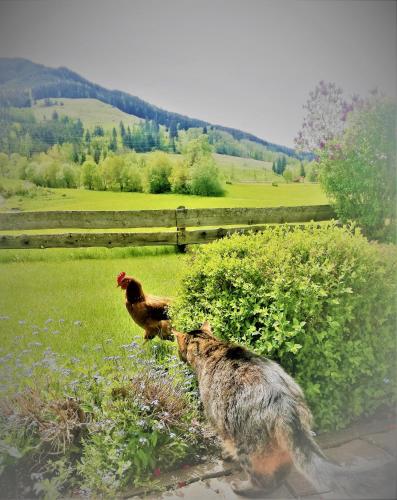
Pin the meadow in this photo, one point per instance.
(91, 112)
(76, 296)
(237, 195)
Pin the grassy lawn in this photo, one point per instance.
(73, 292)
(237, 195)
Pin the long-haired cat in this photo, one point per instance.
(258, 411)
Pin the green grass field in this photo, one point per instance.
(237, 195)
(72, 304)
(90, 111)
(78, 284)
(236, 169)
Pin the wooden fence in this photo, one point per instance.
(179, 219)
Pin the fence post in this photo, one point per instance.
(180, 219)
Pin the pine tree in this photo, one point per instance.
(113, 141)
(122, 130)
(97, 153)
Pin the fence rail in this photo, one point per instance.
(180, 219)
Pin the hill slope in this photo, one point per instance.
(90, 111)
(22, 81)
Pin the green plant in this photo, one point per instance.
(158, 172)
(359, 171)
(95, 425)
(321, 301)
(205, 179)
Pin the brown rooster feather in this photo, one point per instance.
(148, 311)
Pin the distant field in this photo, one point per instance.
(90, 111)
(237, 195)
(238, 169)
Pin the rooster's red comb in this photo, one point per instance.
(120, 277)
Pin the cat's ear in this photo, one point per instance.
(205, 327)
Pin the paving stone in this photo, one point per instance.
(355, 431)
(360, 452)
(329, 495)
(385, 440)
(217, 489)
(299, 484)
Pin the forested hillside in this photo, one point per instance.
(23, 82)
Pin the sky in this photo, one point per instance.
(247, 64)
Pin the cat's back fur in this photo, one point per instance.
(257, 409)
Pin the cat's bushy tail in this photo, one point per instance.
(324, 474)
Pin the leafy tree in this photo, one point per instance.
(158, 172)
(179, 179)
(70, 176)
(326, 113)
(196, 150)
(358, 172)
(205, 178)
(3, 164)
(88, 171)
(302, 172)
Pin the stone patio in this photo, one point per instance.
(370, 445)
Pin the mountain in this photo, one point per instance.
(23, 81)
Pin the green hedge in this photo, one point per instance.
(320, 301)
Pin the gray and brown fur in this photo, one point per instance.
(257, 410)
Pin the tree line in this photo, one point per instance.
(194, 172)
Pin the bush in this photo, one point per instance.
(158, 173)
(13, 187)
(205, 179)
(358, 172)
(320, 301)
(180, 178)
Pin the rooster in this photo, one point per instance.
(148, 311)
